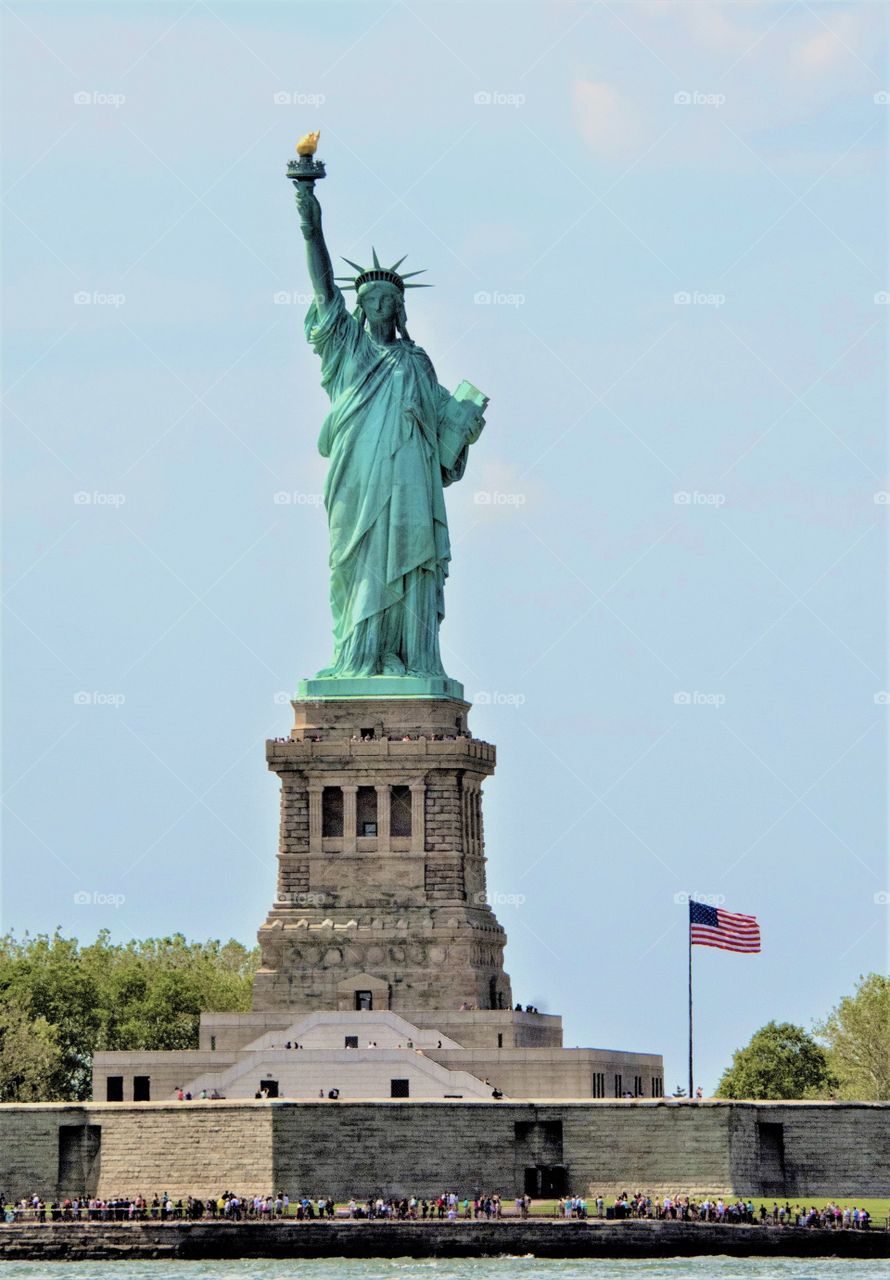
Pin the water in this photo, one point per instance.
(458, 1269)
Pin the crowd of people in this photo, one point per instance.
(449, 1206)
(736, 1212)
(404, 737)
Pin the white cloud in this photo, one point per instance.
(605, 117)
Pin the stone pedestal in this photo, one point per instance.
(381, 898)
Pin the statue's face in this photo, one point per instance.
(379, 300)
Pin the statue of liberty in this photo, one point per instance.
(395, 438)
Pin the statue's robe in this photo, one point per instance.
(383, 495)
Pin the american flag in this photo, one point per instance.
(714, 927)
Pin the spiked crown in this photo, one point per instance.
(391, 275)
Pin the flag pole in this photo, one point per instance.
(689, 931)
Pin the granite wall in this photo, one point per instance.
(806, 1150)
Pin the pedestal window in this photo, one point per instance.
(400, 811)
(332, 811)
(366, 811)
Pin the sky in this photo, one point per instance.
(658, 238)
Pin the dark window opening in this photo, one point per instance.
(114, 1089)
(599, 1084)
(399, 1089)
(213, 1044)
(772, 1159)
(332, 811)
(80, 1152)
(269, 1088)
(500, 1040)
(619, 1088)
(400, 811)
(545, 1181)
(367, 734)
(492, 993)
(142, 1088)
(657, 1086)
(638, 1086)
(366, 811)
(364, 1000)
(350, 1042)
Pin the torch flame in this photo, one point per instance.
(307, 144)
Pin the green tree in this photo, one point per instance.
(780, 1061)
(857, 1034)
(146, 994)
(29, 1055)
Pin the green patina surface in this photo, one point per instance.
(380, 687)
(395, 438)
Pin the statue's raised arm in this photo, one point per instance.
(321, 272)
